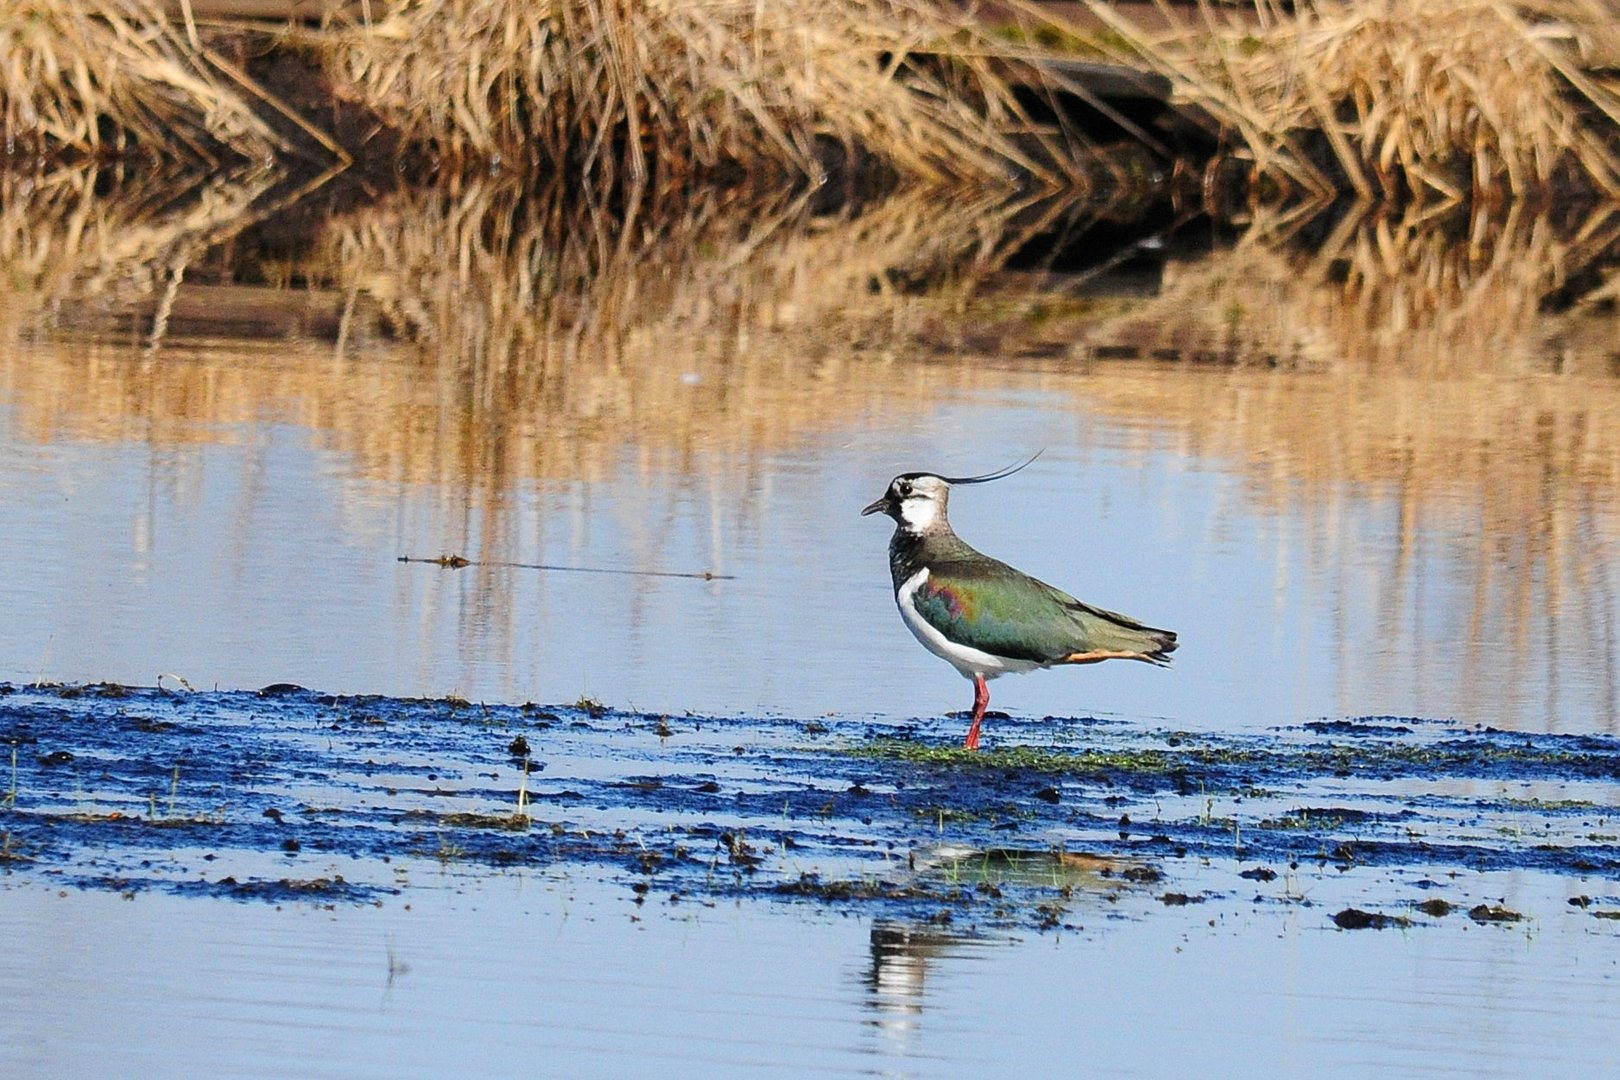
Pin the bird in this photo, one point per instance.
(982, 616)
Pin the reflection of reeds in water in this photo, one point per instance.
(709, 334)
(1441, 387)
(1455, 293)
(523, 315)
(1494, 499)
(495, 338)
(66, 241)
(492, 338)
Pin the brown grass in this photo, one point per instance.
(623, 97)
(114, 77)
(631, 95)
(1431, 99)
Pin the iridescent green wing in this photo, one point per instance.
(986, 604)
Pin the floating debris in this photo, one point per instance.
(1356, 919)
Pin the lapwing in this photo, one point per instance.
(980, 615)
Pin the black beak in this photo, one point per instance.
(881, 506)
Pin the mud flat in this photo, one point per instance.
(287, 795)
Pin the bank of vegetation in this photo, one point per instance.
(619, 94)
(575, 169)
(1451, 100)
(1448, 99)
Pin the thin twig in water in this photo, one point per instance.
(456, 562)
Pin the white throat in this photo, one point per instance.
(918, 514)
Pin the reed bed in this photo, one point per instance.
(630, 95)
(620, 96)
(1451, 100)
(100, 78)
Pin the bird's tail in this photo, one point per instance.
(1112, 636)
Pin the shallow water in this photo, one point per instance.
(742, 991)
(251, 885)
(510, 977)
(1357, 484)
(174, 525)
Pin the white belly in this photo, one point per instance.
(969, 661)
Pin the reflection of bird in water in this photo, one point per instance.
(900, 956)
(981, 615)
(903, 953)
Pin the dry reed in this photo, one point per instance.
(1448, 99)
(620, 96)
(115, 76)
(629, 94)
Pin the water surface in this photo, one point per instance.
(1373, 474)
(738, 991)
(233, 520)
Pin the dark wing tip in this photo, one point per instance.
(1166, 644)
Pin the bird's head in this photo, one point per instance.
(917, 500)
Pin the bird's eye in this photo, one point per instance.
(903, 489)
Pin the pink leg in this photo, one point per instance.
(981, 701)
